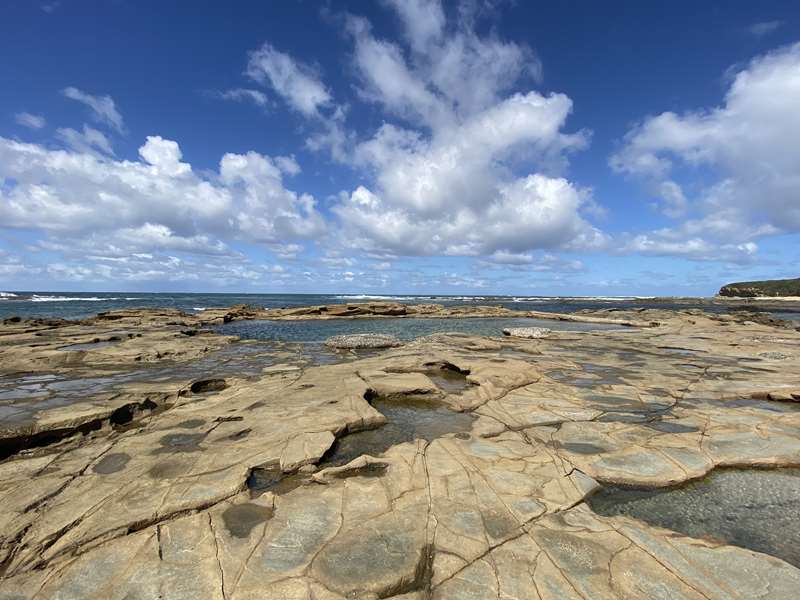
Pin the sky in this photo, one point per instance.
(399, 147)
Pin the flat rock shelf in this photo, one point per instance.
(642, 453)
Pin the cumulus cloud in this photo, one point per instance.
(29, 120)
(93, 204)
(749, 144)
(464, 165)
(103, 108)
(467, 160)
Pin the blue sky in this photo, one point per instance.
(573, 148)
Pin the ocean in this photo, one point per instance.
(78, 305)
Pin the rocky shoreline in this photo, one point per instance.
(146, 455)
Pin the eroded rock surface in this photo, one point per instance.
(527, 332)
(363, 340)
(232, 488)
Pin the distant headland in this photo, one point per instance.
(772, 288)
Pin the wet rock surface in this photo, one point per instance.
(750, 508)
(451, 467)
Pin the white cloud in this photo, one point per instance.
(669, 243)
(288, 165)
(749, 145)
(87, 201)
(103, 108)
(203, 272)
(269, 213)
(380, 266)
(300, 86)
(88, 141)
(424, 21)
(764, 27)
(164, 156)
(245, 95)
(297, 83)
(673, 199)
(286, 251)
(151, 235)
(32, 121)
(444, 177)
(451, 73)
(528, 261)
(12, 266)
(341, 261)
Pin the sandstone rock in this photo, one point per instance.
(363, 340)
(527, 332)
(304, 449)
(774, 355)
(160, 504)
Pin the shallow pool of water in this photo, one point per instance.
(21, 397)
(317, 330)
(752, 508)
(408, 419)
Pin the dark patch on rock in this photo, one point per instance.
(672, 427)
(499, 525)
(180, 442)
(373, 469)
(111, 463)
(272, 479)
(241, 519)
(167, 470)
(191, 424)
(208, 385)
(581, 447)
(240, 435)
(620, 417)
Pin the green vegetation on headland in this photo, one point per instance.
(752, 289)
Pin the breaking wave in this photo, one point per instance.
(38, 298)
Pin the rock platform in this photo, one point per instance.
(130, 470)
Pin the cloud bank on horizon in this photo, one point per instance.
(462, 180)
